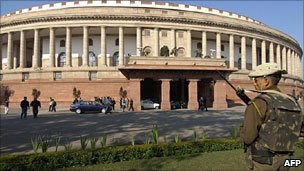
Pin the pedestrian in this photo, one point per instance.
(123, 104)
(201, 103)
(205, 103)
(24, 106)
(6, 106)
(272, 122)
(54, 104)
(50, 104)
(35, 104)
(113, 103)
(131, 105)
(75, 101)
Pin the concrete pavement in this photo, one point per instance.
(16, 133)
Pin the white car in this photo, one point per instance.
(148, 104)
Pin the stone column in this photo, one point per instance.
(243, 53)
(102, 61)
(284, 58)
(218, 45)
(138, 42)
(22, 49)
(288, 61)
(52, 47)
(165, 93)
(220, 95)
(68, 47)
(193, 100)
(156, 42)
(231, 51)
(121, 47)
(204, 43)
(271, 58)
(173, 41)
(15, 53)
(1, 52)
(253, 54)
(263, 51)
(189, 48)
(85, 48)
(292, 63)
(135, 93)
(36, 50)
(9, 50)
(279, 56)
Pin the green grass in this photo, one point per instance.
(221, 160)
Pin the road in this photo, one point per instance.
(119, 126)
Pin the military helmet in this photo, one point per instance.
(266, 69)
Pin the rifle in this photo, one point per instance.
(239, 92)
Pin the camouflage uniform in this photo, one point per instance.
(264, 150)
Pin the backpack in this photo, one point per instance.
(55, 103)
(281, 127)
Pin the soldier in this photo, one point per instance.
(272, 122)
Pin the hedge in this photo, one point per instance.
(65, 159)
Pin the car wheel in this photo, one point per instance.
(157, 107)
(103, 110)
(78, 111)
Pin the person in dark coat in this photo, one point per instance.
(35, 104)
(24, 106)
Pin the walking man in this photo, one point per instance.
(35, 104)
(6, 106)
(131, 105)
(272, 122)
(24, 106)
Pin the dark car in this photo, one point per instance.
(178, 105)
(90, 106)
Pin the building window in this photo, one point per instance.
(90, 42)
(165, 12)
(147, 11)
(61, 59)
(92, 59)
(164, 33)
(117, 42)
(92, 75)
(62, 43)
(181, 13)
(25, 76)
(116, 58)
(57, 75)
(180, 34)
(222, 48)
(146, 32)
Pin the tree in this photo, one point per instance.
(76, 93)
(5, 93)
(36, 93)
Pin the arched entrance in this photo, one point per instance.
(205, 88)
(61, 59)
(179, 93)
(92, 59)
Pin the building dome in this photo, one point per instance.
(160, 51)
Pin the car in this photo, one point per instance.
(89, 106)
(148, 104)
(178, 105)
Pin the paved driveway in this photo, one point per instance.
(16, 133)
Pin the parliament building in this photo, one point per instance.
(154, 50)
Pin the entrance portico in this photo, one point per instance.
(163, 84)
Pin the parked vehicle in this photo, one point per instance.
(89, 106)
(148, 104)
(178, 105)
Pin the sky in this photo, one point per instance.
(283, 15)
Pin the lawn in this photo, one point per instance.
(221, 160)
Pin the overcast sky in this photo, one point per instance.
(283, 15)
